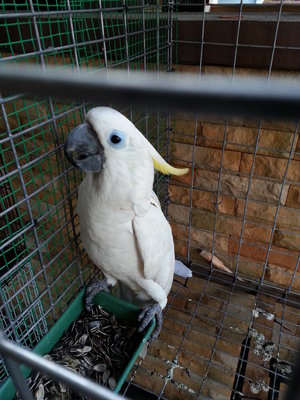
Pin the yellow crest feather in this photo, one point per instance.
(161, 165)
(167, 169)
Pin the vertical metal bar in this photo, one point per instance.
(294, 275)
(144, 37)
(74, 46)
(126, 35)
(191, 191)
(273, 390)
(218, 191)
(60, 157)
(171, 5)
(157, 37)
(275, 40)
(202, 41)
(103, 35)
(169, 35)
(237, 39)
(157, 145)
(167, 178)
(20, 382)
(73, 35)
(147, 124)
(126, 45)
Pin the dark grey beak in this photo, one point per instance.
(84, 150)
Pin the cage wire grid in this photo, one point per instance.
(222, 337)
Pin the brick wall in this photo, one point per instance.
(270, 166)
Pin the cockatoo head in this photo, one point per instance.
(109, 145)
(109, 135)
(105, 135)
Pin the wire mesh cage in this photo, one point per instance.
(225, 335)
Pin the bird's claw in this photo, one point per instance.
(146, 316)
(92, 289)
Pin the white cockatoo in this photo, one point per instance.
(122, 227)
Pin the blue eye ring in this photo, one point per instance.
(117, 139)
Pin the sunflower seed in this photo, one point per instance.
(82, 340)
(85, 349)
(112, 383)
(100, 367)
(63, 387)
(105, 377)
(40, 393)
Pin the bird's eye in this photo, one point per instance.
(117, 139)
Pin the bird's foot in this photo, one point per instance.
(92, 289)
(146, 315)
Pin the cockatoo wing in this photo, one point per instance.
(155, 244)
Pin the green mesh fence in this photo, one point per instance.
(43, 264)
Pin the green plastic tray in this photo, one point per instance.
(111, 304)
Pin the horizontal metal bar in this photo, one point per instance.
(61, 374)
(11, 98)
(236, 45)
(48, 14)
(248, 285)
(210, 94)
